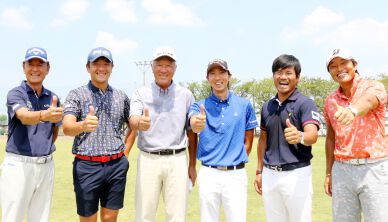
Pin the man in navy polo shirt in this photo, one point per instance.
(96, 114)
(225, 124)
(289, 126)
(34, 115)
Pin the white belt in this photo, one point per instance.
(361, 161)
(31, 159)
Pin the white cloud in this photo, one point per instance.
(109, 41)
(71, 10)
(319, 18)
(15, 18)
(121, 10)
(168, 13)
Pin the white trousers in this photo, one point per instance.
(161, 174)
(228, 188)
(26, 187)
(287, 195)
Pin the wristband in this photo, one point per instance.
(302, 138)
(259, 172)
(40, 116)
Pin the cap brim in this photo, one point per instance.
(94, 59)
(35, 57)
(212, 66)
(166, 56)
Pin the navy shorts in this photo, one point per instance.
(95, 181)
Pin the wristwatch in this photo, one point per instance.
(259, 172)
(353, 110)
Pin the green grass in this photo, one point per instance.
(64, 209)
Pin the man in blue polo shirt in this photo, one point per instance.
(289, 126)
(96, 114)
(225, 124)
(34, 115)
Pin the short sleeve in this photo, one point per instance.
(309, 113)
(262, 119)
(72, 104)
(377, 88)
(251, 120)
(136, 104)
(16, 99)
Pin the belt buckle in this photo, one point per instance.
(361, 161)
(43, 159)
(222, 168)
(276, 168)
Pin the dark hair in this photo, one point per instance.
(286, 61)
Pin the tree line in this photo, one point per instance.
(260, 91)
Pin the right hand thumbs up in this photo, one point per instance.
(202, 110)
(144, 121)
(91, 111)
(198, 122)
(90, 123)
(342, 114)
(53, 113)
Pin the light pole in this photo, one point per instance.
(143, 66)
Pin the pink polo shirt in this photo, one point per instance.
(365, 137)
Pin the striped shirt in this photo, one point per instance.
(112, 109)
(168, 112)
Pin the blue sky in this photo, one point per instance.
(248, 34)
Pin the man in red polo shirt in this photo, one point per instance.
(96, 114)
(356, 149)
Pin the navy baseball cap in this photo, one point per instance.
(36, 53)
(100, 52)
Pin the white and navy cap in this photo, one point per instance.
(100, 52)
(341, 53)
(36, 53)
(164, 51)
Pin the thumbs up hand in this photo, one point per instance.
(90, 123)
(198, 122)
(53, 114)
(292, 134)
(144, 121)
(343, 115)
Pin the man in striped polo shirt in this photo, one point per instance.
(96, 114)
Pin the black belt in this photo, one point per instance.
(166, 152)
(288, 166)
(237, 167)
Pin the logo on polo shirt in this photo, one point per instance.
(29, 105)
(15, 106)
(315, 115)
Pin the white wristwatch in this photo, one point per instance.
(353, 110)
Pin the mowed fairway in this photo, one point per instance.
(64, 209)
